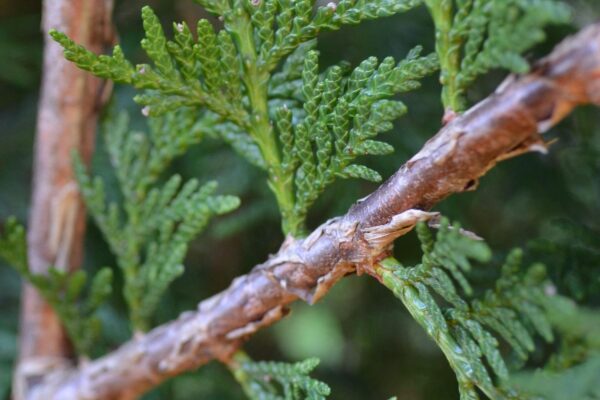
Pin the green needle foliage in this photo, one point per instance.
(462, 327)
(228, 74)
(279, 381)
(64, 291)
(149, 230)
(474, 36)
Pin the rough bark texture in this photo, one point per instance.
(68, 109)
(508, 123)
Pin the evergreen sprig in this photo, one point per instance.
(186, 73)
(572, 253)
(341, 116)
(150, 231)
(63, 290)
(570, 246)
(268, 380)
(579, 332)
(280, 26)
(229, 74)
(513, 309)
(475, 36)
(13, 245)
(577, 383)
(572, 371)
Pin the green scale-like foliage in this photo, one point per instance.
(227, 76)
(209, 71)
(64, 291)
(475, 36)
(186, 72)
(256, 83)
(572, 252)
(267, 380)
(462, 327)
(280, 26)
(342, 114)
(571, 247)
(577, 383)
(150, 231)
(572, 372)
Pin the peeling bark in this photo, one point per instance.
(68, 109)
(506, 124)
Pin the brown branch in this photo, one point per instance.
(68, 109)
(506, 124)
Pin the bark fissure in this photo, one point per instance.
(507, 123)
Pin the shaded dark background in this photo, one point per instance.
(369, 346)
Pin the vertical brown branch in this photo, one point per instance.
(68, 109)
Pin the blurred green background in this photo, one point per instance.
(369, 346)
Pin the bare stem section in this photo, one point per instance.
(69, 104)
(506, 124)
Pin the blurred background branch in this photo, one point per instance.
(69, 105)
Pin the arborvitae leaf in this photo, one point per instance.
(155, 44)
(218, 7)
(243, 145)
(283, 381)
(100, 289)
(75, 285)
(514, 308)
(62, 290)
(183, 52)
(296, 26)
(535, 315)
(207, 51)
(361, 172)
(150, 242)
(341, 117)
(579, 382)
(373, 147)
(224, 204)
(442, 284)
(115, 68)
(579, 330)
(332, 120)
(13, 246)
(475, 36)
(489, 347)
(229, 67)
(185, 73)
(467, 391)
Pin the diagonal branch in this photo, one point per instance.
(506, 124)
(70, 102)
